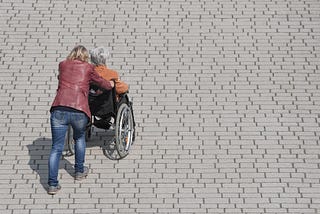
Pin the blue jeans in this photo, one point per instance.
(60, 120)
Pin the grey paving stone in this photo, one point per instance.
(226, 100)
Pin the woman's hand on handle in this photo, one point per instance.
(112, 83)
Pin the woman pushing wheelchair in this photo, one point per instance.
(70, 108)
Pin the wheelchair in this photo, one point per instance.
(109, 112)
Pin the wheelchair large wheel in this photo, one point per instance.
(124, 130)
(69, 141)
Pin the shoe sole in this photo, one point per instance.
(81, 178)
(53, 192)
(82, 175)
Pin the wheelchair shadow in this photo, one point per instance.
(105, 139)
(39, 152)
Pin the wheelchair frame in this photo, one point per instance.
(124, 124)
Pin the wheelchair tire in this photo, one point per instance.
(69, 141)
(124, 128)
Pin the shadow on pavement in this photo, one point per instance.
(39, 152)
(106, 141)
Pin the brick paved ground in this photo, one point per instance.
(226, 99)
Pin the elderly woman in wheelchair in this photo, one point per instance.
(111, 110)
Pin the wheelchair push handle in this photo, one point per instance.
(113, 83)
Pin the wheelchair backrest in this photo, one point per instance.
(102, 105)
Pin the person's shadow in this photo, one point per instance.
(39, 152)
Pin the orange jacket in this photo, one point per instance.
(108, 74)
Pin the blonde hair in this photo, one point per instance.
(79, 53)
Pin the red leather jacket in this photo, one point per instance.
(73, 89)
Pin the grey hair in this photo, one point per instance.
(99, 55)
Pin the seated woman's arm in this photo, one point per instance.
(121, 87)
